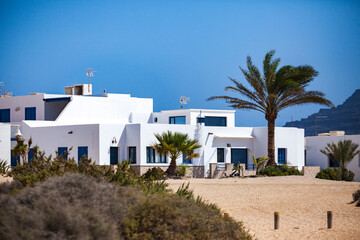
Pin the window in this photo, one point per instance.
(215, 121)
(333, 163)
(114, 155)
(30, 113)
(62, 151)
(82, 153)
(152, 156)
(5, 115)
(30, 154)
(187, 160)
(177, 120)
(220, 155)
(14, 160)
(132, 154)
(281, 155)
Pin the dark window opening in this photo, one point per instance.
(177, 120)
(220, 155)
(215, 121)
(132, 154)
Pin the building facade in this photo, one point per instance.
(315, 158)
(112, 127)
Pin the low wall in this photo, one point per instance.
(217, 173)
(310, 171)
(195, 171)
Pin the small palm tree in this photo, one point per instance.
(273, 91)
(21, 148)
(258, 162)
(175, 145)
(342, 152)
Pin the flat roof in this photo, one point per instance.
(198, 110)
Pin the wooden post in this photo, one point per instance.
(329, 219)
(276, 220)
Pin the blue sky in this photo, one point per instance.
(167, 49)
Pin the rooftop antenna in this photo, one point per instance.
(184, 100)
(89, 74)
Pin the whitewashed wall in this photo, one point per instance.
(290, 138)
(21, 102)
(315, 158)
(49, 138)
(115, 108)
(5, 142)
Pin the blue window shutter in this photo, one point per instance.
(82, 153)
(62, 151)
(5, 115)
(30, 113)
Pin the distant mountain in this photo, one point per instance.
(345, 117)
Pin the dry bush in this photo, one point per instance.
(76, 206)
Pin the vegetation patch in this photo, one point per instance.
(279, 170)
(336, 174)
(77, 206)
(356, 198)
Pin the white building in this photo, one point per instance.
(314, 157)
(113, 127)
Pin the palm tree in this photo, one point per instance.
(273, 91)
(258, 162)
(342, 152)
(21, 148)
(175, 145)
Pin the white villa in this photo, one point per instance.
(112, 127)
(315, 158)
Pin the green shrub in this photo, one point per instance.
(4, 167)
(279, 170)
(154, 173)
(336, 174)
(356, 198)
(182, 170)
(41, 168)
(76, 206)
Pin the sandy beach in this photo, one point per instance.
(302, 202)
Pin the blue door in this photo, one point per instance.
(14, 161)
(114, 155)
(82, 153)
(238, 155)
(62, 151)
(281, 155)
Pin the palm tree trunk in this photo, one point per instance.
(171, 171)
(271, 142)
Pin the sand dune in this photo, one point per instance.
(302, 202)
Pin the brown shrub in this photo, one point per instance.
(76, 206)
